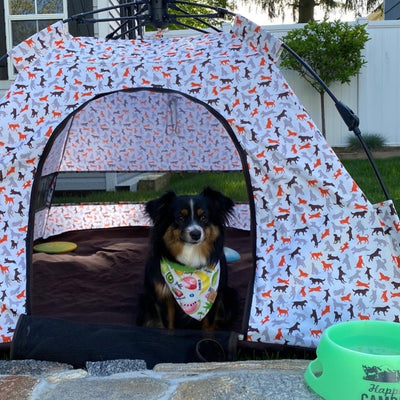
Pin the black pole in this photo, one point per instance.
(158, 12)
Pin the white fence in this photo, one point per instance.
(374, 95)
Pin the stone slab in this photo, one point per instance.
(17, 387)
(249, 385)
(235, 365)
(106, 388)
(156, 181)
(110, 367)
(30, 367)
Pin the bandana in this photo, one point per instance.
(194, 290)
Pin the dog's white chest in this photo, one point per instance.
(191, 255)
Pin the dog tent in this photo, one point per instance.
(322, 253)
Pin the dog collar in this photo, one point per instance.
(195, 290)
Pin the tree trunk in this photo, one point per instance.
(306, 11)
(322, 98)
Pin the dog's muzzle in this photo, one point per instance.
(193, 234)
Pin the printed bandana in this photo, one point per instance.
(195, 290)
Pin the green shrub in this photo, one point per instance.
(334, 50)
(373, 141)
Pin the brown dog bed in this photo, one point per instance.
(101, 281)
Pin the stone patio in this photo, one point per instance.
(128, 379)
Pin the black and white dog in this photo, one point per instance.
(186, 273)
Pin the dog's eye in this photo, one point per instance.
(180, 219)
(203, 219)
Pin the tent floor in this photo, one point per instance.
(101, 281)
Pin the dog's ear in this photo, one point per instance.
(157, 208)
(220, 204)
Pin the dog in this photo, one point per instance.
(186, 274)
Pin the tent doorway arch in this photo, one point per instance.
(131, 130)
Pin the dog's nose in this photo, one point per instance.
(195, 234)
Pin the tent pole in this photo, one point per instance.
(348, 116)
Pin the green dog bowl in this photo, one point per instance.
(357, 360)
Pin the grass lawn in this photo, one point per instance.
(233, 185)
(364, 175)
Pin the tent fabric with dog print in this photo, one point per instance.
(324, 253)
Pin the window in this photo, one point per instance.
(20, 19)
(23, 18)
